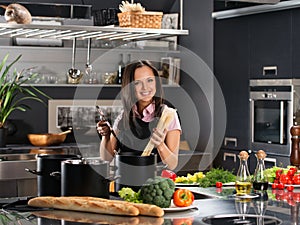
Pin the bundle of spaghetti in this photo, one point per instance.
(163, 123)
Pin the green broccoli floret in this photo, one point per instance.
(158, 191)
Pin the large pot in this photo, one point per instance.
(48, 173)
(85, 177)
(133, 170)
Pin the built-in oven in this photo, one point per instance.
(273, 110)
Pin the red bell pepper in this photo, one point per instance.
(168, 174)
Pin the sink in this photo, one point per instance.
(229, 219)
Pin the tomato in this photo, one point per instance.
(168, 174)
(284, 178)
(278, 173)
(219, 184)
(296, 196)
(296, 178)
(274, 185)
(183, 221)
(183, 197)
(280, 186)
(290, 188)
(291, 171)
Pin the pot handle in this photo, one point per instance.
(55, 174)
(33, 171)
(161, 167)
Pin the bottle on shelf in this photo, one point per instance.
(243, 180)
(121, 66)
(260, 180)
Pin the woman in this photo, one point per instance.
(143, 104)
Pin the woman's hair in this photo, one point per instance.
(128, 89)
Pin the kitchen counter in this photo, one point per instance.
(218, 202)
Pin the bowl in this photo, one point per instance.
(47, 139)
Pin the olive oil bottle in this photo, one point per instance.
(243, 183)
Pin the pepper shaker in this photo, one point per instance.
(295, 152)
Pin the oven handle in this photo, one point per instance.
(281, 121)
(252, 119)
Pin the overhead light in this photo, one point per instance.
(255, 9)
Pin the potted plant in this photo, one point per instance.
(13, 93)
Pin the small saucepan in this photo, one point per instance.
(133, 170)
(85, 177)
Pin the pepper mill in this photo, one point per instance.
(295, 152)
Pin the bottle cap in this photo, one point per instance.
(243, 155)
(261, 154)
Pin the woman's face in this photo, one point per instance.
(145, 84)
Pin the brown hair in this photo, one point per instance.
(128, 90)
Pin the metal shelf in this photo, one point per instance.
(69, 32)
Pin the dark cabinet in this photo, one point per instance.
(227, 159)
(296, 43)
(270, 45)
(231, 71)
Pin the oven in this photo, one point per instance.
(273, 111)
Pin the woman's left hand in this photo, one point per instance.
(158, 137)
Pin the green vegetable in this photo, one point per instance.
(214, 175)
(271, 172)
(130, 195)
(158, 191)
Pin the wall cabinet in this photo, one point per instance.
(270, 46)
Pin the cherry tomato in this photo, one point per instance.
(284, 178)
(290, 188)
(280, 186)
(291, 171)
(278, 173)
(219, 184)
(183, 197)
(274, 185)
(296, 178)
(168, 174)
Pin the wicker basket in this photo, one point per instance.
(140, 20)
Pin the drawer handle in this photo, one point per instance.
(230, 139)
(227, 154)
(270, 70)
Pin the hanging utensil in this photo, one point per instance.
(88, 67)
(73, 73)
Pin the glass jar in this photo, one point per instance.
(243, 180)
(260, 180)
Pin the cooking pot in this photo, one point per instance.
(49, 183)
(133, 170)
(85, 177)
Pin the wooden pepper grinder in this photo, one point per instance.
(295, 151)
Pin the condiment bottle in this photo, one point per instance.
(260, 180)
(295, 152)
(243, 180)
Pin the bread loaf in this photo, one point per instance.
(97, 205)
(144, 209)
(84, 205)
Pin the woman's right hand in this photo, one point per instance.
(103, 128)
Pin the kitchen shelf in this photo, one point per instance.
(92, 85)
(69, 32)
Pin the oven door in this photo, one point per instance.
(271, 119)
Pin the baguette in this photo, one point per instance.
(84, 205)
(85, 217)
(144, 209)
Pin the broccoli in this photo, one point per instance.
(158, 191)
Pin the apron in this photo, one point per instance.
(135, 138)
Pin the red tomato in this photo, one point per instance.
(280, 186)
(296, 196)
(278, 173)
(219, 184)
(168, 174)
(274, 185)
(183, 221)
(296, 178)
(183, 197)
(291, 171)
(284, 178)
(290, 188)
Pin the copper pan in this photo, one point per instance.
(47, 139)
